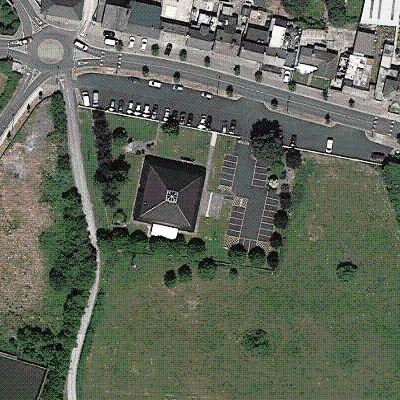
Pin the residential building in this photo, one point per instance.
(62, 9)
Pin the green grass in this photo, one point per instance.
(138, 129)
(299, 78)
(191, 143)
(328, 339)
(319, 83)
(12, 81)
(224, 145)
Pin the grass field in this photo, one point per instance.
(299, 78)
(319, 83)
(328, 339)
(138, 129)
(191, 143)
(224, 145)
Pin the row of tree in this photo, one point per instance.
(71, 262)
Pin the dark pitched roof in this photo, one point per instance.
(223, 35)
(145, 13)
(169, 193)
(115, 17)
(254, 47)
(324, 59)
(71, 9)
(257, 34)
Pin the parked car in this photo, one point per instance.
(86, 98)
(202, 122)
(232, 128)
(121, 105)
(80, 45)
(166, 114)
(110, 41)
(95, 98)
(182, 118)
(146, 111)
(156, 84)
(130, 108)
(112, 105)
(131, 41)
(329, 145)
(207, 95)
(189, 121)
(177, 87)
(138, 110)
(168, 49)
(286, 76)
(208, 122)
(225, 126)
(133, 79)
(378, 156)
(293, 140)
(144, 44)
(154, 112)
(175, 114)
(110, 34)
(23, 41)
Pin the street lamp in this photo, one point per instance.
(219, 77)
(287, 105)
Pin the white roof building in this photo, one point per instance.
(381, 12)
(277, 36)
(165, 231)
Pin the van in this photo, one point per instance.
(110, 41)
(95, 98)
(80, 45)
(86, 99)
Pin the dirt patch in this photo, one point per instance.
(22, 219)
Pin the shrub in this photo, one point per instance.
(145, 70)
(229, 90)
(233, 273)
(184, 273)
(236, 69)
(293, 158)
(255, 341)
(258, 76)
(103, 235)
(281, 219)
(325, 94)
(285, 200)
(327, 118)
(207, 269)
(276, 240)
(257, 256)
(273, 260)
(292, 86)
(177, 76)
(351, 102)
(170, 278)
(155, 49)
(196, 247)
(237, 253)
(183, 55)
(346, 271)
(207, 61)
(119, 45)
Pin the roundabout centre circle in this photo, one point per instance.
(50, 51)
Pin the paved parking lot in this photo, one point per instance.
(228, 173)
(260, 175)
(267, 218)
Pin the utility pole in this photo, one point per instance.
(219, 77)
(287, 105)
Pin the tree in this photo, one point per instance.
(229, 90)
(281, 219)
(276, 240)
(184, 273)
(236, 69)
(237, 254)
(346, 271)
(57, 279)
(40, 95)
(351, 103)
(120, 136)
(103, 235)
(285, 200)
(177, 76)
(139, 240)
(292, 86)
(293, 158)
(119, 217)
(257, 256)
(119, 45)
(170, 278)
(325, 94)
(266, 139)
(183, 55)
(327, 118)
(155, 49)
(196, 247)
(207, 61)
(145, 70)
(273, 260)
(207, 269)
(233, 273)
(258, 76)
(255, 341)
(171, 127)
(274, 102)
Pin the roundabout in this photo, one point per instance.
(50, 51)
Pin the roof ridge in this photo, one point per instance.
(153, 208)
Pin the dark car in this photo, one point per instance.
(175, 114)
(168, 49)
(377, 156)
(154, 112)
(109, 34)
(293, 141)
(208, 122)
(182, 118)
(133, 79)
(232, 128)
(189, 121)
(121, 105)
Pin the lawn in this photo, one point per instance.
(191, 143)
(319, 83)
(224, 145)
(327, 339)
(299, 78)
(138, 129)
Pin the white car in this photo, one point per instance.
(329, 145)
(24, 41)
(112, 105)
(207, 95)
(146, 111)
(131, 41)
(177, 87)
(156, 84)
(286, 76)
(144, 44)
(202, 124)
(167, 114)
(138, 110)
(80, 45)
(130, 108)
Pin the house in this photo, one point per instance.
(277, 32)
(228, 35)
(145, 18)
(169, 193)
(254, 43)
(65, 9)
(391, 87)
(358, 72)
(116, 15)
(364, 43)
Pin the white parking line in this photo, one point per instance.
(263, 182)
(263, 216)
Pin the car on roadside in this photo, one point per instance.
(131, 41)
(168, 49)
(182, 118)
(156, 84)
(146, 111)
(175, 114)
(144, 44)
(378, 156)
(189, 121)
(154, 112)
(130, 108)
(112, 105)
(166, 114)
(109, 34)
(202, 124)
(286, 76)
(120, 105)
(208, 122)
(232, 128)
(80, 45)
(224, 126)
(38, 21)
(95, 98)
(329, 145)
(293, 140)
(138, 109)
(86, 98)
(133, 79)
(177, 87)
(23, 41)
(206, 95)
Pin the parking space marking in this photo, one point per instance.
(260, 176)
(266, 222)
(228, 171)
(236, 218)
